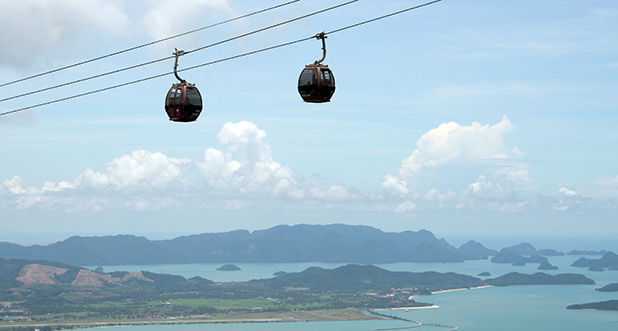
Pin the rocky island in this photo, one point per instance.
(229, 267)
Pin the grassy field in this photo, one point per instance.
(347, 314)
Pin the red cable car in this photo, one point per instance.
(183, 102)
(316, 82)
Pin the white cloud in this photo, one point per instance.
(14, 185)
(405, 207)
(253, 170)
(567, 192)
(452, 141)
(393, 185)
(497, 189)
(141, 167)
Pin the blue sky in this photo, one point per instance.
(471, 119)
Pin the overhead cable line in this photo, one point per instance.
(148, 44)
(219, 61)
(185, 52)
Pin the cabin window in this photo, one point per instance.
(307, 78)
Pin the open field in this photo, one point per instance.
(347, 314)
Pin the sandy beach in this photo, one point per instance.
(461, 289)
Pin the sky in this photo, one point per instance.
(471, 119)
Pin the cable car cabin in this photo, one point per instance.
(183, 103)
(316, 83)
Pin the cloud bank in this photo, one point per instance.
(243, 171)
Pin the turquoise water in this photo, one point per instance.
(536, 307)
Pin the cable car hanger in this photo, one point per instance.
(321, 35)
(177, 54)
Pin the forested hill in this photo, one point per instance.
(336, 243)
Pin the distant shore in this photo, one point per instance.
(414, 308)
(461, 289)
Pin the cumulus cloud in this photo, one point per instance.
(485, 188)
(567, 192)
(453, 147)
(14, 185)
(452, 141)
(243, 169)
(140, 167)
(247, 165)
(392, 184)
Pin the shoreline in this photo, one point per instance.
(414, 308)
(462, 289)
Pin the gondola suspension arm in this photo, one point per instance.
(322, 36)
(177, 54)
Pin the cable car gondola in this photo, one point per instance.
(316, 82)
(183, 102)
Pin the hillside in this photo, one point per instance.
(539, 278)
(335, 243)
(56, 294)
(354, 278)
(42, 289)
(609, 260)
(475, 250)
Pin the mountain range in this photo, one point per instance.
(336, 243)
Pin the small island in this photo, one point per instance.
(609, 260)
(228, 267)
(603, 305)
(539, 278)
(547, 266)
(613, 287)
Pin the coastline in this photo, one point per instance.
(462, 289)
(414, 308)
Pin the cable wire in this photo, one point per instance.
(218, 61)
(147, 44)
(186, 52)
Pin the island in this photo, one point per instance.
(586, 252)
(613, 287)
(603, 305)
(609, 260)
(545, 265)
(229, 267)
(507, 255)
(539, 278)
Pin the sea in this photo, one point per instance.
(529, 307)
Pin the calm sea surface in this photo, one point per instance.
(536, 307)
